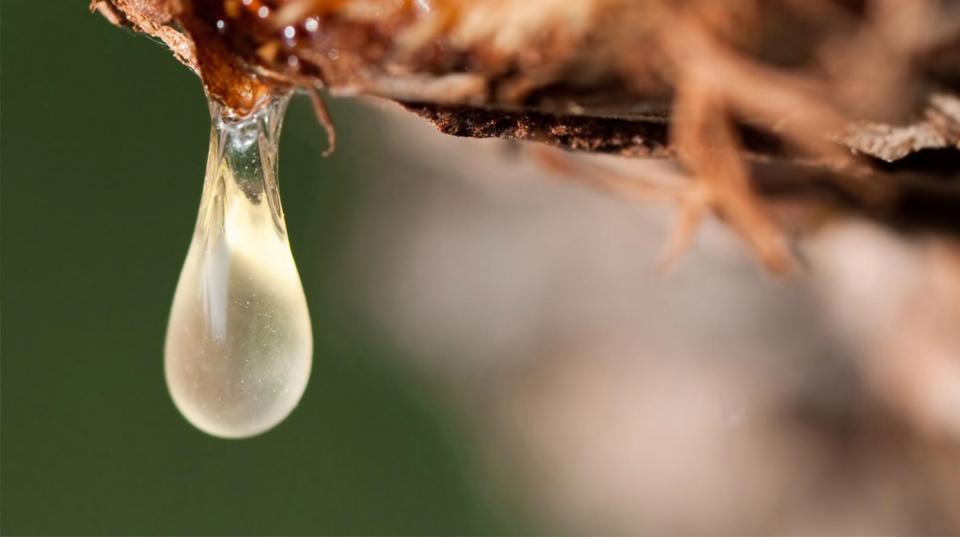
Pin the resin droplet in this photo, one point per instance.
(239, 342)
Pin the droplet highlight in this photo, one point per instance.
(239, 344)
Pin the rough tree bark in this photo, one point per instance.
(831, 105)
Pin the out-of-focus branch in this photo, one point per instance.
(858, 98)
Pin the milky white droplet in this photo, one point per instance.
(239, 344)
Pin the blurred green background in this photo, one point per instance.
(104, 139)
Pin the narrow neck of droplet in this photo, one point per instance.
(243, 158)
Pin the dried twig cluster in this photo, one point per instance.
(850, 104)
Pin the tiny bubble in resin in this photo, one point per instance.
(239, 344)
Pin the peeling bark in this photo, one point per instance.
(858, 99)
